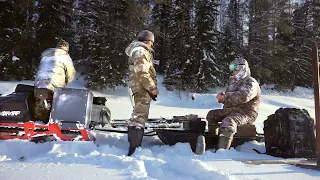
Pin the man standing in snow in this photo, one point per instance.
(241, 103)
(55, 70)
(143, 85)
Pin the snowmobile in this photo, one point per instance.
(70, 117)
(76, 113)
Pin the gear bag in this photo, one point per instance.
(290, 132)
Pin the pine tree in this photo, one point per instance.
(282, 54)
(173, 46)
(234, 26)
(17, 37)
(111, 27)
(195, 40)
(53, 24)
(225, 54)
(259, 40)
(160, 22)
(306, 24)
(209, 68)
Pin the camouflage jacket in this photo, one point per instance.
(142, 74)
(243, 93)
(55, 70)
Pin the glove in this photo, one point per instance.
(153, 97)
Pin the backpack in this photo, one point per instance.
(290, 132)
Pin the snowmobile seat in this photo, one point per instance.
(24, 88)
(246, 130)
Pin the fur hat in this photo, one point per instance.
(64, 45)
(145, 35)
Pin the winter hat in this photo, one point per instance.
(241, 65)
(238, 64)
(145, 35)
(64, 45)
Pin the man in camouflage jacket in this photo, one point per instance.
(241, 102)
(143, 84)
(55, 70)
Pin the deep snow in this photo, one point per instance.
(85, 160)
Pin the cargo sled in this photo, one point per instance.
(75, 113)
(195, 127)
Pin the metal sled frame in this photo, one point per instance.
(37, 132)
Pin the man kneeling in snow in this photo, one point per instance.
(55, 70)
(241, 103)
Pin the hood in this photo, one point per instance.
(53, 52)
(135, 45)
(243, 68)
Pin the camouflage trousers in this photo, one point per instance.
(229, 119)
(141, 108)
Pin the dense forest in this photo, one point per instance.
(195, 39)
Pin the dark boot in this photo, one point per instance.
(225, 140)
(135, 134)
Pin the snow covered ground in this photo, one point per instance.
(85, 160)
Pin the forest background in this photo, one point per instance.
(195, 39)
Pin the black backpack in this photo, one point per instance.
(290, 132)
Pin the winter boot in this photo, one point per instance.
(225, 140)
(135, 134)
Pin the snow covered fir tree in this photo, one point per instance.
(195, 40)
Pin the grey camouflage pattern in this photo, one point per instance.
(242, 100)
(290, 132)
(230, 119)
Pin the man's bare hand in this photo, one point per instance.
(155, 92)
(220, 97)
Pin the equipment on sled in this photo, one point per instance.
(189, 128)
(246, 132)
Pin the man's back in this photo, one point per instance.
(55, 70)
